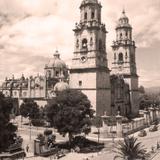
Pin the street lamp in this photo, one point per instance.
(29, 126)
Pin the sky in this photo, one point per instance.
(31, 31)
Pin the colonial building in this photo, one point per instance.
(39, 87)
(124, 62)
(89, 71)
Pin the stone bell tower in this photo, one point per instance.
(89, 71)
(124, 62)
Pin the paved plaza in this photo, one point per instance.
(149, 141)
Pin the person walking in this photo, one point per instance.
(27, 148)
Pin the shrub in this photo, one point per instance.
(37, 122)
(41, 138)
(47, 132)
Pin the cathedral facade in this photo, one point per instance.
(108, 90)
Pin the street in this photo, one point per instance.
(148, 141)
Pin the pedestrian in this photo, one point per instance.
(27, 148)
(158, 146)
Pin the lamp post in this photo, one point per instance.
(29, 126)
(29, 129)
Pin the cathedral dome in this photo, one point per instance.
(61, 86)
(56, 62)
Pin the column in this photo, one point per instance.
(105, 126)
(146, 117)
(154, 114)
(119, 126)
(151, 110)
(157, 114)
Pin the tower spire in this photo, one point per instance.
(123, 10)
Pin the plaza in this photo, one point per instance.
(149, 141)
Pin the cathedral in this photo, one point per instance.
(108, 90)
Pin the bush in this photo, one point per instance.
(41, 138)
(142, 133)
(86, 145)
(37, 122)
(81, 145)
(47, 132)
(153, 128)
(156, 122)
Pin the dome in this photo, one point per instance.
(123, 16)
(89, 1)
(61, 86)
(56, 62)
(123, 20)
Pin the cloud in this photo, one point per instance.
(31, 30)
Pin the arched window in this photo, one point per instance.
(85, 15)
(126, 55)
(84, 43)
(49, 73)
(57, 73)
(80, 83)
(77, 43)
(115, 57)
(120, 35)
(119, 109)
(100, 45)
(120, 57)
(92, 15)
(126, 34)
(91, 41)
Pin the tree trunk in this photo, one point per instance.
(70, 138)
(98, 134)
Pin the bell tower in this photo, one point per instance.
(89, 72)
(124, 62)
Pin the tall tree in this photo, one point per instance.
(7, 129)
(130, 149)
(98, 123)
(70, 113)
(30, 109)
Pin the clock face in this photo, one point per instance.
(83, 59)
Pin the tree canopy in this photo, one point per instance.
(7, 129)
(70, 113)
(30, 109)
(142, 90)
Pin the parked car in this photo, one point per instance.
(142, 133)
(153, 128)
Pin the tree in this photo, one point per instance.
(98, 123)
(70, 113)
(7, 129)
(141, 90)
(30, 109)
(130, 149)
